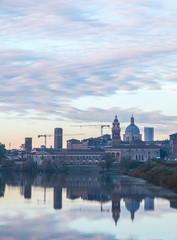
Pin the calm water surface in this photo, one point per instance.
(50, 207)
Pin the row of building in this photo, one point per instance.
(90, 150)
(132, 133)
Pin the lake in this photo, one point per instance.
(51, 207)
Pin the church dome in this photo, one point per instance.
(132, 128)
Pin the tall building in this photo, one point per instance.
(58, 138)
(116, 139)
(148, 134)
(132, 132)
(173, 145)
(28, 144)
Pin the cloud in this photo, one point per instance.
(55, 228)
(163, 123)
(53, 52)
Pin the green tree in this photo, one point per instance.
(47, 166)
(2, 152)
(28, 166)
(107, 161)
(7, 164)
(61, 163)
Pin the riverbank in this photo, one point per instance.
(158, 172)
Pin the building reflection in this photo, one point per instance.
(123, 193)
(27, 191)
(132, 205)
(149, 204)
(57, 197)
(93, 189)
(115, 207)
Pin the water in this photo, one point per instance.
(85, 207)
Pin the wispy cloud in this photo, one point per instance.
(52, 52)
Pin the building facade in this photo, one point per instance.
(148, 134)
(76, 144)
(71, 156)
(58, 138)
(139, 152)
(28, 144)
(173, 145)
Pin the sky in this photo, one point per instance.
(64, 64)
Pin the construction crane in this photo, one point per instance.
(49, 135)
(45, 136)
(102, 126)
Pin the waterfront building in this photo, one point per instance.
(71, 156)
(137, 151)
(148, 134)
(58, 138)
(132, 132)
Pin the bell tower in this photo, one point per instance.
(116, 133)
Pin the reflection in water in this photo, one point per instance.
(91, 188)
(82, 207)
(57, 197)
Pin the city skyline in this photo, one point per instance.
(64, 64)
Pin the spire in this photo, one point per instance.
(132, 120)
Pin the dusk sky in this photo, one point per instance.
(83, 62)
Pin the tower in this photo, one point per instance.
(58, 138)
(28, 144)
(149, 134)
(116, 133)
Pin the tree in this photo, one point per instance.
(2, 152)
(7, 164)
(107, 161)
(61, 163)
(47, 166)
(28, 166)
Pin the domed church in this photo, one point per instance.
(132, 132)
(130, 147)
